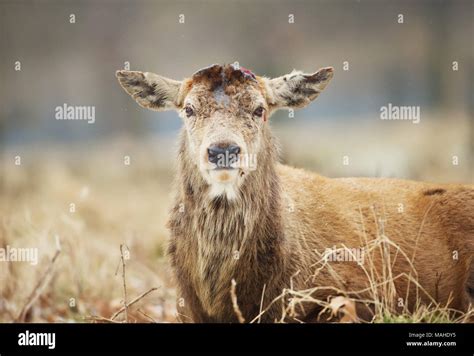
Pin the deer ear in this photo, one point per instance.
(150, 90)
(297, 89)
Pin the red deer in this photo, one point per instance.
(240, 215)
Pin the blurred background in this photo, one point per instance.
(407, 53)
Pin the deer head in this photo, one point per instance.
(225, 110)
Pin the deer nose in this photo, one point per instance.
(223, 154)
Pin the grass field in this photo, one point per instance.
(114, 203)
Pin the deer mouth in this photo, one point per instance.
(224, 182)
(224, 175)
(225, 168)
(233, 166)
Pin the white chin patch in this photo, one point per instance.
(223, 182)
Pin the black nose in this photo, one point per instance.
(223, 154)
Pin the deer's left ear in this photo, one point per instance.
(297, 89)
(150, 90)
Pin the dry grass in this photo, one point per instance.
(117, 204)
(114, 204)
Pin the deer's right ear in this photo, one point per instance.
(150, 90)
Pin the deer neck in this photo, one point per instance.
(230, 222)
(225, 240)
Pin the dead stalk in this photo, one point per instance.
(233, 295)
(147, 316)
(101, 318)
(125, 307)
(42, 282)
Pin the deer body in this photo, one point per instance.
(269, 228)
(268, 242)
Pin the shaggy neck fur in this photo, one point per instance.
(230, 239)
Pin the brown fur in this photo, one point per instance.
(272, 234)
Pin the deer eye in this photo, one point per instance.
(189, 111)
(259, 111)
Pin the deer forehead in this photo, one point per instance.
(224, 87)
